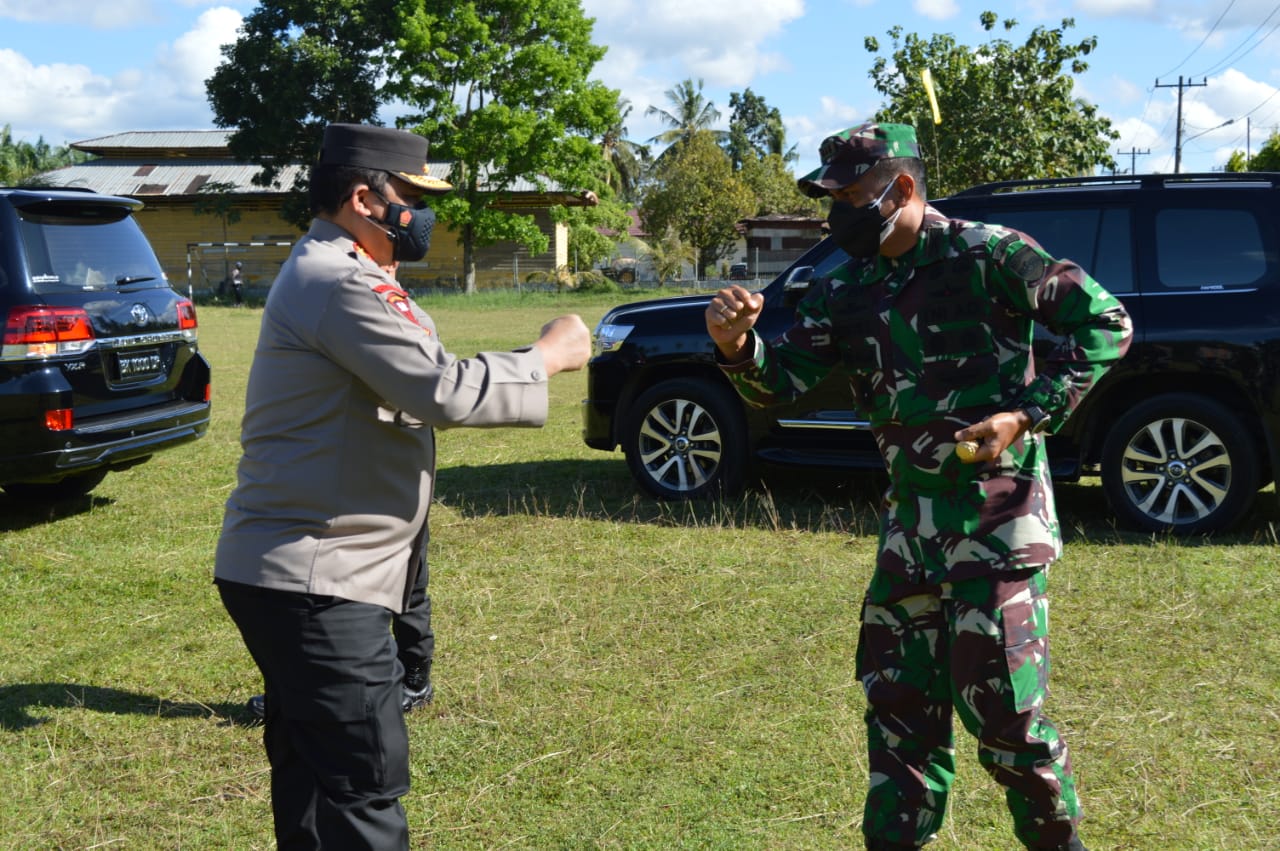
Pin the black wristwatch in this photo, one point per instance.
(1039, 419)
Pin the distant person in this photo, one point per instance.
(933, 318)
(237, 284)
(326, 529)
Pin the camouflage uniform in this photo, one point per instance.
(955, 615)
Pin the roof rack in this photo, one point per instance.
(1145, 181)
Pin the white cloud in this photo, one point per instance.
(118, 14)
(80, 99)
(723, 41)
(1115, 8)
(65, 102)
(194, 55)
(938, 10)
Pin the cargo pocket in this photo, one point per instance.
(1025, 626)
(336, 733)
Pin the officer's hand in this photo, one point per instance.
(993, 435)
(565, 343)
(731, 313)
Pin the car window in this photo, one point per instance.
(1209, 248)
(83, 247)
(1098, 240)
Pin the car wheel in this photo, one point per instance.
(68, 488)
(686, 439)
(1181, 463)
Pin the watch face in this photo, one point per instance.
(1039, 419)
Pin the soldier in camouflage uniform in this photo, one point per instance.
(933, 317)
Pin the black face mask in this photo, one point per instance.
(408, 228)
(859, 230)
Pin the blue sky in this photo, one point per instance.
(79, 69)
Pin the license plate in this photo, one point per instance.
(136, 366)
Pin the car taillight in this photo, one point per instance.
(60, 420)
(43, 332)
(187, 319)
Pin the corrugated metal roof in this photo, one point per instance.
(175, 163)
(201, 140)
(184, 177)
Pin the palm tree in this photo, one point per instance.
(627, 160)
(690, 112)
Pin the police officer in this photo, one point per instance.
(933, 318)
(326, 529)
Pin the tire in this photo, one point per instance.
(627, 276)
(686, 439)
(70, 487)
(1179, 463)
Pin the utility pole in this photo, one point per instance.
(1133, 154)
(1177, 148)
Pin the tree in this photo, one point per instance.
(296, 66)
(774, 187)
(755, 128)
(1007, 111)
(1267, 158)
(668, 255)
(501, 89)
(696, 194)
(22, 162)
(627, 160)
(690, 114)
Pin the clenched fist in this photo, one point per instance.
(731, 313)
(565, 343)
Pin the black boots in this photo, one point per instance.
(417, 687)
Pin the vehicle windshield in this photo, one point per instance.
(86, 247)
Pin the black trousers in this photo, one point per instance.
(334, 731)
(415, 641)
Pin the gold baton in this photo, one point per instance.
(967, 451)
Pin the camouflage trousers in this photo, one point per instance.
(980, 647)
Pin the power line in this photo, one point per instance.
(1211, 31)
(1232, 57)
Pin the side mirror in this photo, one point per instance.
(798, 278)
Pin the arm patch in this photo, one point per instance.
(1026, 263)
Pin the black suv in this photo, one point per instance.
(99, 366)
(1184, 430)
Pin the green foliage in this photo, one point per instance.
(690, 113)
(696, 194)
(1266, 159)
(755, 130)
(774, 186)
(502, 90)
(296, 66)
(668, 254)
(1008, 111)
(499, 87)
(593, 282)
(627, 160)
(20, 162)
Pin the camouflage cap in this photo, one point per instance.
(847, 156)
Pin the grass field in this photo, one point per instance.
(612, 672)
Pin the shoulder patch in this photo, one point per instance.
(1026, 264)
(399, 300)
